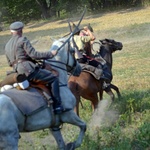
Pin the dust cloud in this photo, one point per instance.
(104, 116)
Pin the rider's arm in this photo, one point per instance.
(8, 60)
(30, 51)
(89, 33)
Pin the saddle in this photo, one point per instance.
(43, 89)
(94, 71)
(12, 78)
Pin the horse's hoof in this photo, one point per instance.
(70, 146)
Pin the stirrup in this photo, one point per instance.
(105, 85)
(60, 110)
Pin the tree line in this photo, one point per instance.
(26, 10)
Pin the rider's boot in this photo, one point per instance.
(58, 108)
(106, 77)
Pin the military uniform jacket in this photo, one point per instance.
(80, 42)
(19, 53)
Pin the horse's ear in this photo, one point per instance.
(53, 39)
(100, 41)
(103, 41)
(107, 40)
(69, 26)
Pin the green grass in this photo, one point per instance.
(123, 124)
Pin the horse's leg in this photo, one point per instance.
(94, 101)
(114, 87)
(78, 100)
(110, 93)
(59, 139)
(100, 94)
(9, 134)
(72, 118)
(73, 86)
(9, 137)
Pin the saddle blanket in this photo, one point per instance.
(28, 101)
(96, 72)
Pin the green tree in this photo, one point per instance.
(19, 10)
(26, 10)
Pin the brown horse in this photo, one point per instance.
(87, 86)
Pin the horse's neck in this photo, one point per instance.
(106, 55)
(61, 69)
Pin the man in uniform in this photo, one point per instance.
(21, 55)
(80, 41)
(88, 45)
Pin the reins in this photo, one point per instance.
(66, 64)
(58, 66)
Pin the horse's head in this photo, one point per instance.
(105, 48)
(66, 56)
(111, 44)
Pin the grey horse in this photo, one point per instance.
(13, 121)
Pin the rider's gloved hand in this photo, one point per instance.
(54, 52)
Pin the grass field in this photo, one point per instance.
(123, 124)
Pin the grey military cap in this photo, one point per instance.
(16, 26)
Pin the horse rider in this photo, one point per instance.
(81, 38)
(88, 45)
(21, 54)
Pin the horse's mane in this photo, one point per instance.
(102, 51)
(57, 43)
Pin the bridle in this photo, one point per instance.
(70, 68)
(101, 44)
(71, 51)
